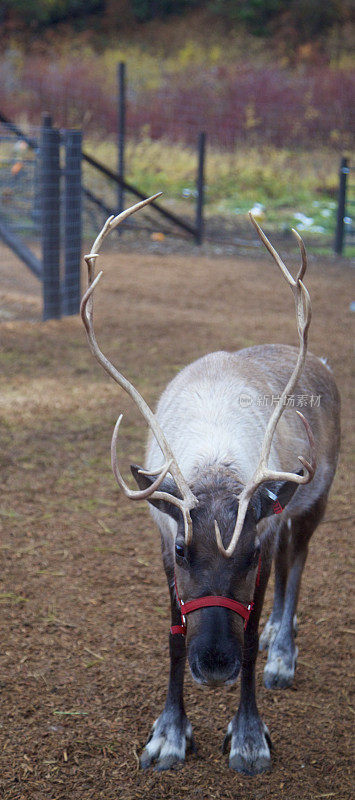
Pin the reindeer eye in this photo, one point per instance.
(179, 550)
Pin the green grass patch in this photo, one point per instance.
(11, 597)
(293, 188)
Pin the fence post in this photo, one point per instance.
(50, 217)
(121, 129)
(200, 187)
(339, 233)
(72, 222)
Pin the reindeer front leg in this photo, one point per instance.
(171, 736)
(249, 739)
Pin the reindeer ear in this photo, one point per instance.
(168, 485)
(272, 497)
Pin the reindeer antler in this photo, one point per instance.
(188, 499)
(262, 473)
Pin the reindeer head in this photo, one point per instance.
(215, 635)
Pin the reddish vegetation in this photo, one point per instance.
(271, 105)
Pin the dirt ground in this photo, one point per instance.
(83, 658)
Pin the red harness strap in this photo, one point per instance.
(178, 629)
(212, 600)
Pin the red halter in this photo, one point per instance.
(212, 600)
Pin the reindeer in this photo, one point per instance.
(229, 493)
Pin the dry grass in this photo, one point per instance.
(284, 182)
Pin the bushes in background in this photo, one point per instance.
(236, 103)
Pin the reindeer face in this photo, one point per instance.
(215, 636)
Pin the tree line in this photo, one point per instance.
(312, 18)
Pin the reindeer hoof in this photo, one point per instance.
(250, 750)
(168, 743)
(248, 764)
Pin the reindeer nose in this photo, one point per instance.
(215, 664)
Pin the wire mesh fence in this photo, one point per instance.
(50, 191)
(40, 208)
(348, 220)
(19, 184)
(265, 129)
(252, 119)
(100, 200)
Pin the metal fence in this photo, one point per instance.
(40, 208)
(110, 189)
(158, 114)
(50, 189)
(318, 219)
(19, 197)
(345, 230)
